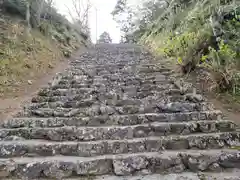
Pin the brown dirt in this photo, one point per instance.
(223, 102)
(13, 104)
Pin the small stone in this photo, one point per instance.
(230, 160)
(194, 98)
(30, 82)
(50, 65)
(59, 170)
(6, 169)
(215, 167)
(129, 165)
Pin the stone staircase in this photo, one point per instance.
(115, 114)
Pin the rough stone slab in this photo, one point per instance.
(66, 133)
(134, 79)
(107, 99)
(64, 104)
(121, 165)
(44, 99)
(65, 92)
(182, 176)
(96, 71)
(108, 65)
(127, 92)
(133, 119)
(34, 148)
(102, 109)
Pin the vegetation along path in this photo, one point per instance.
(115, 113)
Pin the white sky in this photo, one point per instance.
(104, 18)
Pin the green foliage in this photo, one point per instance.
(105, 38)
(222, 63)
(17, 7)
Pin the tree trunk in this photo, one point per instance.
(39, 11)
(28, 18)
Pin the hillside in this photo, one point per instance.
(199, 36)
(28, 50)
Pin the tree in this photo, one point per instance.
(79, 12)
(123, 15)
(105, 38)
(135, 20)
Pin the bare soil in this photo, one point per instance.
(221, 101)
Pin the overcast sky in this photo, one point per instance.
(104, 18)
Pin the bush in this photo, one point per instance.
(17, 7)
(188, 48)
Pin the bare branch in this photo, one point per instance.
(79, 12)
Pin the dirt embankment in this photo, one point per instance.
(14, 101)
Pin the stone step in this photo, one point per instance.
(111, 68)
(109, 100)
(114, 83)
(116, 65)
(121, 165)
(168, 87)
(104, 93)
(124, 71)
(84, 66)
(79, 97)
(133, 119)
(232, 175)
(102, 109)
(73, 133)
(114, 77)
(35, 148)
(182, 176)
(72, 86)
(69, 91)
(66, 91)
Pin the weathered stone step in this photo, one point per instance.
(232, 175)
(79, 97)
(122, 165)
(133, 119)
(73, 133)
(103, 109)
(107, 85)
(108, 99)
(117, 65)
(130, 71)
(35, 148)
(62, 104)
(65, 90)
(140, 69)
(66, 102)
(115, 81)
(181, 176)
